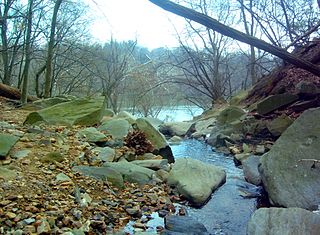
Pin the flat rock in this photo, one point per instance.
(274, 102)
(105, 154)
(6, 143)
(7, 174)
(85, 112)
(281, 221)
(101, 173)
(278, 125)
(289, 179)
(152, 164)
(196, 180)
(131, 173)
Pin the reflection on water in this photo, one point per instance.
(227, 212)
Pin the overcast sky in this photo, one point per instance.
(134, 19)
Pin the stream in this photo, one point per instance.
(227, 212)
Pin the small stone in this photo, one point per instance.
(29, 229)
(44, 228)
(11, 215)
(29, 221)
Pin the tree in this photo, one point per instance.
(24, 94)
(235, 34)
(48, 76)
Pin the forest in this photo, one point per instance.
(87, 145)
(47, 50)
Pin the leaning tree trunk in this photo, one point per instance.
(235, 34)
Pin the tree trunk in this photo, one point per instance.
(48, 76)
(28, 57)
(235, 34)
(12, 93)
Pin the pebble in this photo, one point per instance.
(11, 215)
(29, 221)
(44, 228)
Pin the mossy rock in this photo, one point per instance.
(52, 157)
(240, 96)
(85, 112)
(230, 114)
(6, 143)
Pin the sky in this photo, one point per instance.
(134, 19)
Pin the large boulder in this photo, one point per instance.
(250, 169)
(289, 170)
(283, 221)
(274, 102)
(85, 112)
(117, 128)
(6, 143)
(175, 128)
(196, 180)
(158, 141)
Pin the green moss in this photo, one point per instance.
(53, 157)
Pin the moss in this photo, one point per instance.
(53, 157)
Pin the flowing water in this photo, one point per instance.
(227, 212)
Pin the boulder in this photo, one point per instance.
(230, 114)
(117, 128)
(280, 221)
(158, 141)
(85, 112)
(250, 169)
(183, 225)
(306, 88)
(175, 128)
(278, 125)
(274, 102)
(45, 103)
(6, 143)
(91, 134)
(101, 173)
(126, 115)
(196, 180)
(290, 179)
(175, 140)
(132, 173)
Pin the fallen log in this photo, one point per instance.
(12, 93)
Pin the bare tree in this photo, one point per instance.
(230, 32)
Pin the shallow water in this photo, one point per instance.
(226, 212)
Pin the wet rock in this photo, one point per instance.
(91, 134)
(117, 128)
(250, 169)
(247, 190)
(195, 180)
(183, 225)
(6, 143)
(175, 140)
(85, 112)
(290, 179)
(274, 102)
(156, 138)
(279, 221)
